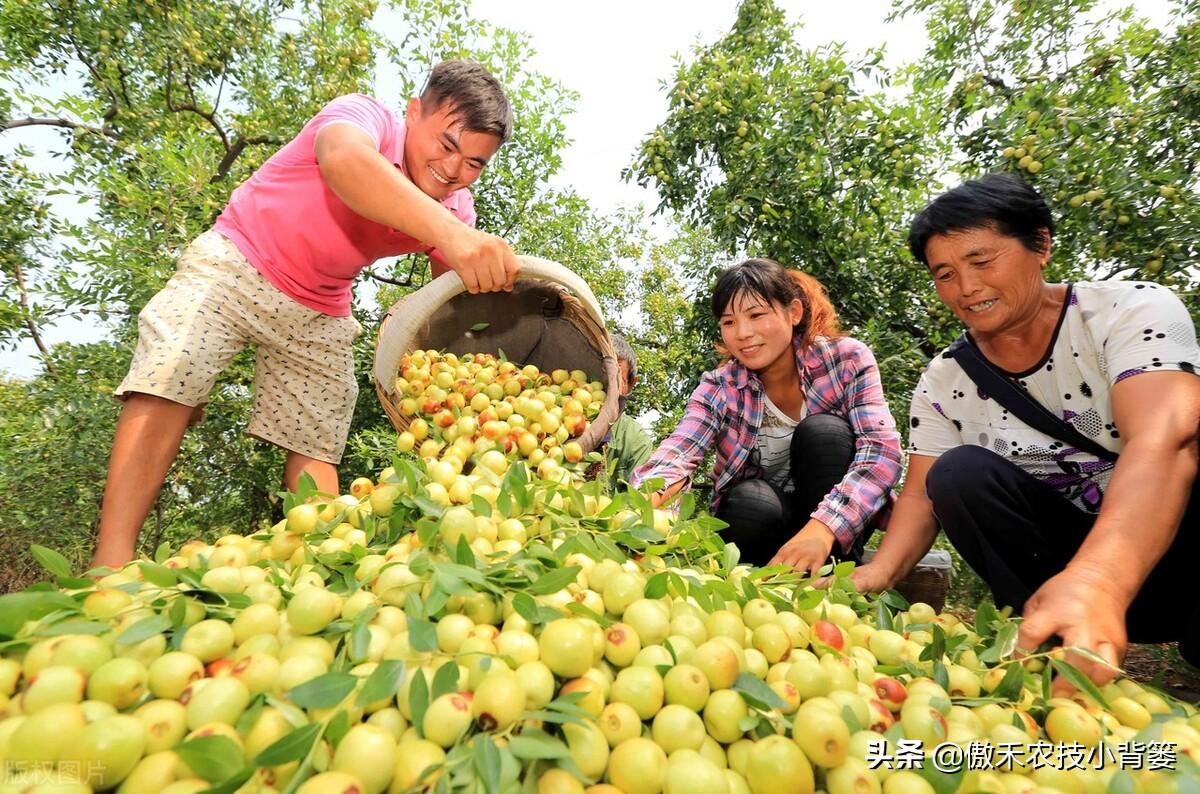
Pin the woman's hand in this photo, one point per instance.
(808, 549)
(871, 578)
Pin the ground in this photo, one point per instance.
(1162, 666)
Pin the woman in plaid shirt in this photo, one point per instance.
(806, 449)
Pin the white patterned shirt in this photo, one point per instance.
(1108, 331)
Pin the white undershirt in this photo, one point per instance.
(775, 444)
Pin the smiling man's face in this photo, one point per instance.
(440, 155)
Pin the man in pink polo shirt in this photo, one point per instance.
(276, 270)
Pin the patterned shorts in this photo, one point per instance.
(216, 304)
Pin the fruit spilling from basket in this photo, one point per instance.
(464, 405)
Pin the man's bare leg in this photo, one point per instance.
(323, 473)
(147, 440)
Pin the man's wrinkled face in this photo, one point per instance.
(440, 155)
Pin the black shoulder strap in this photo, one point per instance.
(1019, 402)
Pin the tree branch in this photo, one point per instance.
(28, 320)
(408, 280)
(30, 121)
(192, 107)
(233, 152)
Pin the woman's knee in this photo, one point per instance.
(824, 430)
(750, 503)
(822, 448)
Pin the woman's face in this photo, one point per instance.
(991, 282)
(757, 332)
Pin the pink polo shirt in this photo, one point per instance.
(301, 236)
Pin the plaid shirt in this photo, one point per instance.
(837, 376)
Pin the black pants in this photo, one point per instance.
(762, 517)
(1016, 532)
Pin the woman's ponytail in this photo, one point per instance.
(822, 319)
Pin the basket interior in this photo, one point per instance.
(530, 325)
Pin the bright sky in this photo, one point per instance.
(615, 55)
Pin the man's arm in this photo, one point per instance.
(1158, 414)
(909, 535)
(368, 183)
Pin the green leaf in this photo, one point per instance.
(251, 714)
(537, 744)
(290, 747)
(477, 327)
(178, 613)
(144, 629)
(1005, 644)
(1010, 685)
(213, 758)
(883, 616)
(940, 675)
(157, 574)
(413, 606)
(54, 563)
(418, 700)
(360, 634)
(1088, 653)
(306, 487)
(163, 552)
(422, 635)
(465, 571)
(75, 627)
(942, 782)
(755, 692)
(554, 581)
(233, 784)
(894, 600)
(383, 682)
(16, 608)
(656, 585)
(445, 681)
(487, 762)
(985, 616)
(1122, 783)
(532, 611)
(480, 506)
(730, 556)
(338, 727)
(580, 609)
(808, 599)
(324, 691)
(936, 648)
(1078, 680)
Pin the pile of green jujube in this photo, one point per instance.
(507, 632)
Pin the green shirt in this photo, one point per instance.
(628, 446)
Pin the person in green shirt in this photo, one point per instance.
(627, 445)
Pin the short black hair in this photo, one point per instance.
(1002, 201)
(474, 94)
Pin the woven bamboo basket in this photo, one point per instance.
(928, 581)
(551, 319)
